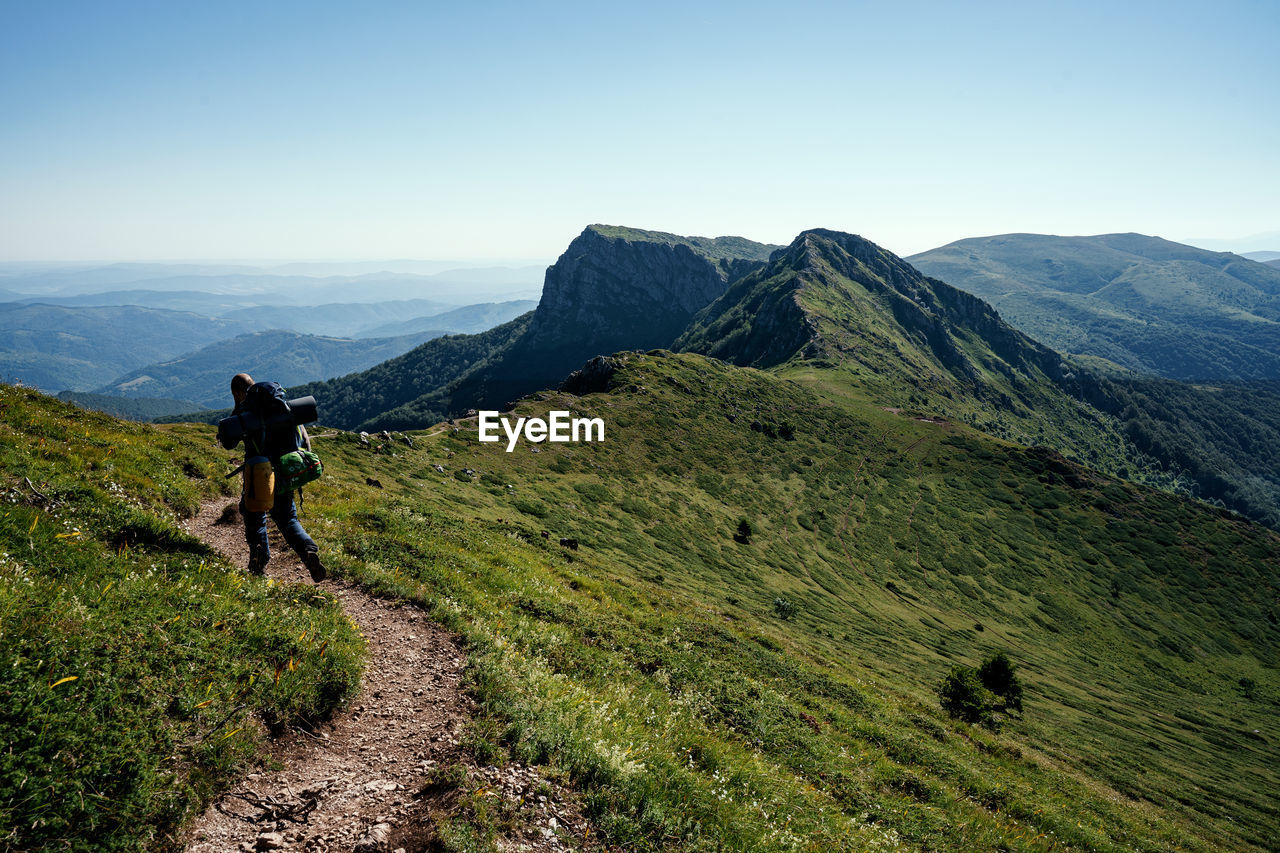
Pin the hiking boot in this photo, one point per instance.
(312, 560)
(258, 562)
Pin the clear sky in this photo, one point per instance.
(324, 130)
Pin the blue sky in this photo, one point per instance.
(497, 131)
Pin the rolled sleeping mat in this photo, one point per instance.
(232, 429)
(304, 410)
(301, 411)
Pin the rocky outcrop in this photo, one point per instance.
(613, 289)
(594, 376)
(612, 293)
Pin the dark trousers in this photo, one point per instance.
(285, 515)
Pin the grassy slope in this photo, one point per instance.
(866, 324)
(650, 664)
(1142, 302)
(650, 667)
(169, 648)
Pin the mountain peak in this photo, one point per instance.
(854, 257)
(839, 296)
(849, 242)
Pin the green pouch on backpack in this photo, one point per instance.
(296, 469)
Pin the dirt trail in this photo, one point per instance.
(355, 782)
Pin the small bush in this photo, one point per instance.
(533, 508)
(976, 695)
(997, 676)
(963, 696)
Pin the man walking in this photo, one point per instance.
(275, 443)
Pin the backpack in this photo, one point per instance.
(268, 416)
(266, 400)
(275, 464)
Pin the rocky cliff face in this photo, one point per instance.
(613, 289)
(611, 293)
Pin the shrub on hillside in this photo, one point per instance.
(963, 696)
(977, 695)
(997, 676)
(784, 609)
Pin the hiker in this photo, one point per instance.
(283, 512)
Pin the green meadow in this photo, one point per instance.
(780, 693)
(702, 689)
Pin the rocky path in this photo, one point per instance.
(356, 783)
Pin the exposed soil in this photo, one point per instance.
(362, 780)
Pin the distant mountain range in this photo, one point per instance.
(1141, 302)
(334, 318)
(467, 319)
(288, 284)
(279, 355)
(840, 313)
(57, 348)
(228, 292)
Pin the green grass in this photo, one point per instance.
(134, 663)
(652, 668)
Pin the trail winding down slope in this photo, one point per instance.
(363, 779)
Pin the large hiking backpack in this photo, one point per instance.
(265, 410)
(276, 464)
(266, 407)
(294, 469)
(266, 400)
(265, 403)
